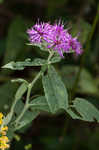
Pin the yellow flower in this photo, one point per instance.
(1, 122)
(3, 147)
(1, 115)
(3, 132)
(4, 142)
(3, 138)
(5, 128)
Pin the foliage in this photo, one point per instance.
(53, 98)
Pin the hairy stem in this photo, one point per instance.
(28, 97)
(26, 106)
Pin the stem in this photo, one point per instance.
(50, 55)
(21, 115)
(36, 78)
(84, 54)
(28, 97)
(29, 92)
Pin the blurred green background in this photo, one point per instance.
(58, 132)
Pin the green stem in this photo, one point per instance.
(29, 92)
(84, 54)
(50, 55)
(21, 115)
(28, 97)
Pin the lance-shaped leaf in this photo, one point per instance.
(39, 103)
(21, 90)
(55, 59)
(19, 80)
(28, 116)
(55, 91)
(86, 109)
(28, 63)
(73, 114)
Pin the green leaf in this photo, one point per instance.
(21, 90)
(19, 80)
(72, 114)
(86, 109)
(39, 103)
(18, 107)
(55, 91)
(55, 59)
(27, 63)
(10, 133)
(7, 118)
(28, 117)
(68, 74)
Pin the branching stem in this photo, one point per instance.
(26, 106)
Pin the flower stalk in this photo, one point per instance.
(26, 106)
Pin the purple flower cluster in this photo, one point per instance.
(55, 36)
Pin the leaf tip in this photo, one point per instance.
(8, 66)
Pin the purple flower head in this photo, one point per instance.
(56, 37)
(39, 32)
(74, 44)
